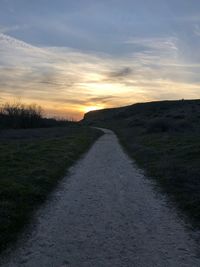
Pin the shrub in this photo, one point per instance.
(18, 115)
(159, 125)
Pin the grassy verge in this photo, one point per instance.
(30, 169)
(173, 160)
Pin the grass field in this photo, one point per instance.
(31, 163)
(164, 139)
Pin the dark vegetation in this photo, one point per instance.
(21, 116)
(164, 139)
(31, 163)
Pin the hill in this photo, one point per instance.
(175, 115)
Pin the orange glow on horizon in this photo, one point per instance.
(92, 108)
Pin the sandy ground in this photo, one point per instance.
(105, 213)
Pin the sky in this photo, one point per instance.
(71, 57)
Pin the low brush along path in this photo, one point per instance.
(105, 213)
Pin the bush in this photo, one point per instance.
(20, 116)
(159, 126)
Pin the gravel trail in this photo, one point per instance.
(105, 213)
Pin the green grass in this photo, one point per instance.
(173, 160)
(30, 169)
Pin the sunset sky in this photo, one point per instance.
(74, 56)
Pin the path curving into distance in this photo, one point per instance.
(105, 213)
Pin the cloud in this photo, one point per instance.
(123, 72)
(154, 43)
(65, 80)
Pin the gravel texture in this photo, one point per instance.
(105, 213)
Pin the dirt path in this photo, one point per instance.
(105, 214)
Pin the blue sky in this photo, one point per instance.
(73, 56)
